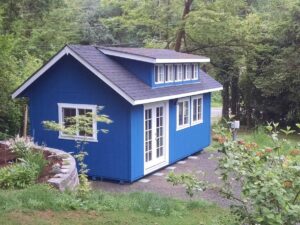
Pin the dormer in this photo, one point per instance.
(158, 67)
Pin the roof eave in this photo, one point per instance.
(66, 51)
(152, 60)
(170, 97)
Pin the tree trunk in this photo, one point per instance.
(25, 127)
(225, 97)
(235, 95)
(181, 32)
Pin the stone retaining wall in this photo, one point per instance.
(67, 176)
(67, 179)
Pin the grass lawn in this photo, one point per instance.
(38, 205)
(216, 99)
(263, 139)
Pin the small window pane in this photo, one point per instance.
(188, 72)
(68, 116)
(195, 109)
(195, 71)
(180, 113)
(85, 124)
(178, 74)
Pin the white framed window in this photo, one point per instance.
(187, 72)
(195, 72)
(197, 109)
(67, 111)
(159, 74)
(179, 72)
(183, 113)
(169, 73)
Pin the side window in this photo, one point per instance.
(69, 115)
(183, 113)
(197, 109)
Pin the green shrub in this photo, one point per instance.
(269, 178)
(36, 158)
(18, 175)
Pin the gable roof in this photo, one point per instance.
(121, 80)
(153, 55)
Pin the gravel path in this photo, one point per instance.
(203, 165)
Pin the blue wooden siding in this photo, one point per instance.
(142, 70)
(70, 82)
(192, 139)
(182, 143)
(137, 142)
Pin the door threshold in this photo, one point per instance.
(156, 167)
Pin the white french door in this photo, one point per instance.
(155, 136)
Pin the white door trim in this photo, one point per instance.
(165, 105)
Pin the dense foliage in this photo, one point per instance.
(254, 45)
(268, 177)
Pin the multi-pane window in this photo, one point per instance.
(197, 109)
(148, 135)
(179, 72)
(189, 111)
(159, 131)
(195, 72)
(183, 113)
(82, 117)
(159, 74)
(169, 73)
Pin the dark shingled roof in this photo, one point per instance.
(155, 53)
(129, 83)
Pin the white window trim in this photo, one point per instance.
(170, 73)
(77, 106)
(195, 122)
(180, 127)
(195, 72)
(158, 74)
(177, 74)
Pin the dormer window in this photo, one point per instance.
(179, 72)
(159, 74)
(195, 72)
(187, 72)
(173, 73)
(169, 73)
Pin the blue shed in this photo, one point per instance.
(159, 101)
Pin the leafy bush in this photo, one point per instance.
(36, 158)
(269, 178)
(18, 175)
(189, 181)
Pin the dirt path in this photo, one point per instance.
(157, 182)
